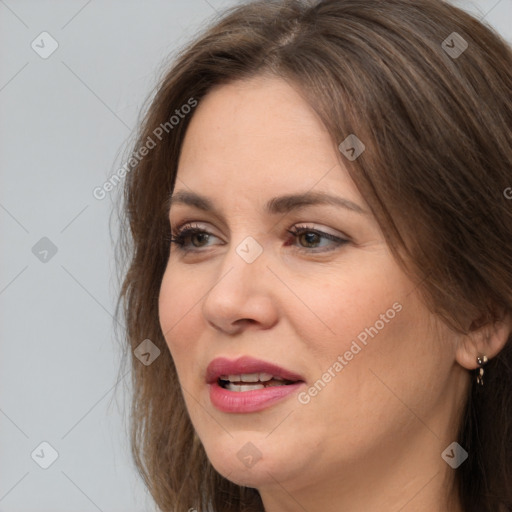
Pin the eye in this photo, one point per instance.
(312, 236)
(188, 233)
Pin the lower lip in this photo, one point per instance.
(249, 401)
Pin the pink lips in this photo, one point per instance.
(245, 364)
(248, 401)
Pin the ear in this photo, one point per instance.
(487, 339)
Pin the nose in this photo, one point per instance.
(242, 294)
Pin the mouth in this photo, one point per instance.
(248, 385)
(251, 381)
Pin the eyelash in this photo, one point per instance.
(182, 234)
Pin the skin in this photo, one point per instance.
(372, 438)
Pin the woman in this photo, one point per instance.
(320, 265)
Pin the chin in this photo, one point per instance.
(246, 460)
(257, 476)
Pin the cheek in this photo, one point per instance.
(178, 320)
(354, 303)
(374, 334)
(396, 375)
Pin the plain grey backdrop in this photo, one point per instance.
(74, 76)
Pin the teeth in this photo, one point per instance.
(231, 386)
(250, 377)
(235, 387)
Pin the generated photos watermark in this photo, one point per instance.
(100, 192)
(343, 360)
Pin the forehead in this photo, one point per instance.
(262, 135)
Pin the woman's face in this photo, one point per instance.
(375, 382)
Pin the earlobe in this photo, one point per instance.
(483, 340)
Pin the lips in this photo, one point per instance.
(249, 385)
(221, 367)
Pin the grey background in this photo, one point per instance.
(65, 121)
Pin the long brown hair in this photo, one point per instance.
(436, 125)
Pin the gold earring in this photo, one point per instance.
(481, 361)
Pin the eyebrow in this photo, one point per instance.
(276, 205)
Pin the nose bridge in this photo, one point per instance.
(244, 261)
(249, 250)
(240, 291)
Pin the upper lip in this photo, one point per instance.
(246, 364)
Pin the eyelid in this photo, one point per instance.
(189, 225)
(305, 226)
(178, 226)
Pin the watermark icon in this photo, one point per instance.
(352, 147)
(508, 193)
(44, 250)
(249, 455)
(44, 45)
(100, 192)
(343, 360)
(249, 249)
(454, 455)
(147, 352)
(454, 45)
(44, 455)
